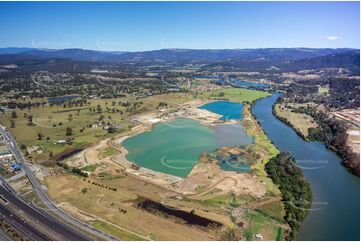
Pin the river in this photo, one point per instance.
(335, 214)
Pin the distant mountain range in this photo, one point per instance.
(74, 54)
(252, 59)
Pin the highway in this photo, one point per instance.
(49, 226)
(20, 224)
(67, 231)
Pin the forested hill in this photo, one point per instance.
(349, 59)
(276, 59)
(179, 55)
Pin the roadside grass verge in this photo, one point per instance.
(114, 231)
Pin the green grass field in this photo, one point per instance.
(107, 176)
(260, 223)
(90, 167)
(274, 209)
(229, 200)
(236, 94)
(108, 152)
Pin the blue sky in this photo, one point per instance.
(137, 26)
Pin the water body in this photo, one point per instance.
(335, 214)
(239, 83)
(228, 110)
(235, 82)
(175, 147)
(187, 217)
(61, 98)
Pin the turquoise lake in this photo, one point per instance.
(175, 147)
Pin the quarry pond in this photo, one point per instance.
(174, 147)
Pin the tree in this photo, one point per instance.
(99, 109)
(30, 120)
(112, 130)
(14, 114)
(12, 124)
(294, 189)
(100, 118)
(40, 136)
(69, 131)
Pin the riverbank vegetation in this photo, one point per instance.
(343, 93)
(326, 129)
(333, 133)
(262, 146)
(302, 123)
(296, 191)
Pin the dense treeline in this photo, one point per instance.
(23, 105)
(73, 170)
(334, 134)
(50, 84)
(343, 92)
(296, 192)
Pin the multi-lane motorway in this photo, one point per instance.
(59, 229)
(32, 222)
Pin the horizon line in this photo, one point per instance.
(132, 51)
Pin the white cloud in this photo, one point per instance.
(332, 38)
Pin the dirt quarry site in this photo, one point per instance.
(208, 204)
